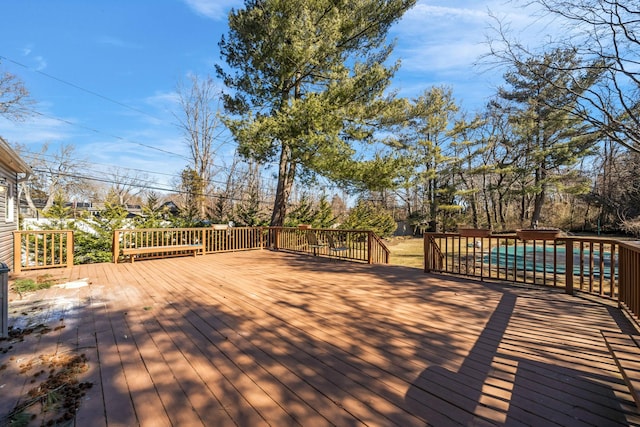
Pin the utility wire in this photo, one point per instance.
(98, 95)
(36, 156)
(110, 135)
(80, 88)
(147, 187)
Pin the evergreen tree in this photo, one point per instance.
(323, 217)
(367, 216)
(94, 235)
(152, 215)
(551, 137)
(58, 214)
(302, 213)
(249, 212)
(423, 142)
(191, 186)
(308, 80)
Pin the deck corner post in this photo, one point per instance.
(427, 252)
(17, 251)
(568, 268)
(116, 245)
(369, 246)
(70, 248)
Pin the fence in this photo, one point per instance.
(37, 249)
(603, 267)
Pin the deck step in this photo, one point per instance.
(625, 350)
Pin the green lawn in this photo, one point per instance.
(407, 251)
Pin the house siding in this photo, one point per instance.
(8, 221)
(11, 166)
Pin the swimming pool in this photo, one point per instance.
(541, 259)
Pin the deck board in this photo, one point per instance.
(268, 338)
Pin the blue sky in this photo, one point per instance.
(104, 73)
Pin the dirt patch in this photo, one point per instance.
(56, 390)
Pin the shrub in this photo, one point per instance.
(368, 216)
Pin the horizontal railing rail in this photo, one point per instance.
(352, 245)
(603, 267)
(38, 249)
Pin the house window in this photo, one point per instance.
(9, 204)
(6, 196)
(3, 200)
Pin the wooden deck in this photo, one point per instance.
(266, 338)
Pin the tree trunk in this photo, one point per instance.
(540, 197)
(286, 173)
(485, 201)
(26, 190)
(501, 210)
(537, 208)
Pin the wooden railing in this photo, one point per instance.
(353, 245)
(629, 277)
(54, 248)
(603, 267)
(233, 239)
(378, 251)
(172, 241)
(37, 249)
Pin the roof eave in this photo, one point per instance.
(11, 159)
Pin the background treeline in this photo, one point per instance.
(322, 138)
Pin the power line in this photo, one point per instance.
(120, 138)
(80, 88)
(141, 186)
(98, 95)
(36, 156)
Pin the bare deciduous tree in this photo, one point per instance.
(604, 35)
(128, 186)
(55, 174)
(201, 124)
(14, 97)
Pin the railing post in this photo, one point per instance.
(427, 253)
(369, 246)
(568, 267)
(204, 238)
(276, 238)
(116, 245)
(70, 245)
(17, 251)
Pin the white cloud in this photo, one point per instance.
(440, 41)
(41, 63)
(214, 9)
(36, 130)
(116, 42)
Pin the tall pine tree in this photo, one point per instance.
(308, 80)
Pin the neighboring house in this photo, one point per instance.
(12, 169)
